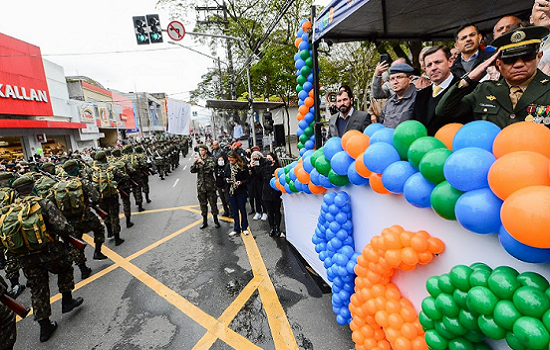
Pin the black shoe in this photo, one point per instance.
(147, 199)
(216, 222)
(129, 223)
(16, 290)
(140, 209)
(272, 232)
(204, 225)
(119, 241)
(99, 256)
(85, 271)
(162, 178)
(46, 330)
(71, 305)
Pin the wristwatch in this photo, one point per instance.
(465, 81)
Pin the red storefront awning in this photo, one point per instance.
(38, 124)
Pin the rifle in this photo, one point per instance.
(102, 213)
(14, 305)
(75, 242)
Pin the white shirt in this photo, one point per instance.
(444, 85)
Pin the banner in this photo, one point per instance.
(179, 117)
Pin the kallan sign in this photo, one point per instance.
(20, 93)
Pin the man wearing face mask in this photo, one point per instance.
(204, 166)
(347, 118)
(222, 186)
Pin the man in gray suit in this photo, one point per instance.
(347, 118)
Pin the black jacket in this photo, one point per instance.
(458, 70)
(268, 193)
(242, 176)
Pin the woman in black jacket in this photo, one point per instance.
(236, 175)
(270, 197)
(222, 186)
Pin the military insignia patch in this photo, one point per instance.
(491, 97)
(544, 81)
(518, 36)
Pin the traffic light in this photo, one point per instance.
(155, 31)
(141, 30)
(268, 121)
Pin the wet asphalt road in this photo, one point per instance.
(171, 283)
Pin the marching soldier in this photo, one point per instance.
(132, 162)
(204, 167)
(52, 258)
(123, 183)
(145, 171)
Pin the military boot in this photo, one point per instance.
(98, 255)
(85, 271)
(118, 240)
(2, 260)
(140, 208)
(216, 222)
(16, 288)
(68, 303)
(109, 231)
(47, 328)
(147, 198)
(129, 223)
(204, 223)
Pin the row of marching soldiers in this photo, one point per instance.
(43, 216)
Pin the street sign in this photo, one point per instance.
(176, 30)
(331, 97)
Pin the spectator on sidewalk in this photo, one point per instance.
(401, 105)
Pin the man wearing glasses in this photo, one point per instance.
(400, 107)
(522, 93)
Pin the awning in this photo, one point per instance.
(38, 124)
(371, 20)
(242, 105)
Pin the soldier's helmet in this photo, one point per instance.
(116, 152)
(127, 149)
(101, 156)
(24, 185)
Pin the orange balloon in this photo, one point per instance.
(409, 256)
(402, 343)
(525, 215)
(347, 136)
(409, 331)
(395, 321)
(358, 337)
(392, 240)
(361, 168)
(300, 116)
(302, 175)
(308, 102)
(425, 257)
(446, 134)
(297, 42)
(517, 170)
(384, 345)
(375, 181)
(393, 306)
(409, 314)
(306, 26)
(393, 257)
(435, 245)
(523, 136)
(303, 109)
(419, 243)
(392, 334)
(275, 173)
(357, 144)
(312, 93)
(381, 318)
(316, 189)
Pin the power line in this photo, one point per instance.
(92, 53)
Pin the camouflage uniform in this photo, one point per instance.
(8, 332)
(122, 179)
(144, 167)
(132, 162)
(206, 185)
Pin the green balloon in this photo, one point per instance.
(445, 284)
(504, 284)
(546, 319)
(299, 88)
(428, 306)
(507, 269)
(322, 165)
(468, 320)
(454, 326)
(305, 71)
(447, 305)
(474, 336)
(303, 138)
(432, 285)
(293, 187)
(425, 321)
(287, 179)
(308, 131)
(304, 54)
(300, 145)
(533, 279)
(481, 346)
(309, 62)
(513, 342)
(301, 80)
(460, 277)
(431, 165)
(287, 170)
(531, 301)
(420, 147)
(481, 266)
(481, 300)
(531, 333)
(460, 298)
(337, 180)
(506, 314)
(440, 328)
(316, 155)
(479, 278)
(460, 343)
(443, 199)
(492, 330)
(405, 134)
(435, 341)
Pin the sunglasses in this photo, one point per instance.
(525, 58)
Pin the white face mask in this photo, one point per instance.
(221, 162)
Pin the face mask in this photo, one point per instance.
(220, 162)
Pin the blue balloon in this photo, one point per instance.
(287, 189)
(379, 156)
(299, 64)
(307, 86)
(308, 154)
(299, 132)
(312, 110)
(371, 129)
(306, 189)
(292, 175)
(310, 78)
(296, 56)
(522, 251)
(479, 211)
(272, 183)
(354, 176)
(308, 167)
(417, 191)
(382, 135)
(302, 124)
(304, 45)
(280, 172)
(300, 102)
(479, 133)
(302, 152)
(467, 168)
(340, 162)
(341, 199)
(325, 182)
(333, 146)
(282, 181)
(309, 117)
(314, 177)
(300, 31)
(329, 198)
(305, 37)
(302, 95)
(309, 145)
(396, 174)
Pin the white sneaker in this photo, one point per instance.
(232, 233)
(246, 232)
(264, 217)
(257, 216)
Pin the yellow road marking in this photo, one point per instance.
(214, 326)
(229, 314)
(278, 322)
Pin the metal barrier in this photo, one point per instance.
(286, 161)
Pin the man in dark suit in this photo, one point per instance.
(437, 62)
(347, 118)
(468, 38)
(521, 94)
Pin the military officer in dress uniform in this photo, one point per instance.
(521, 94)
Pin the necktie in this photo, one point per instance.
(436, 90)
(515, 95)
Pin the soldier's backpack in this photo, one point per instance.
(132, 159)
(68, 196)
(104, 181)
(22, 227)
(43, 187)
(7, 196)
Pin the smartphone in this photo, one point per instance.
(384, 57)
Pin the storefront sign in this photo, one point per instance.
(23, 84)
(87, 114)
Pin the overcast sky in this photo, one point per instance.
(64, 27)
